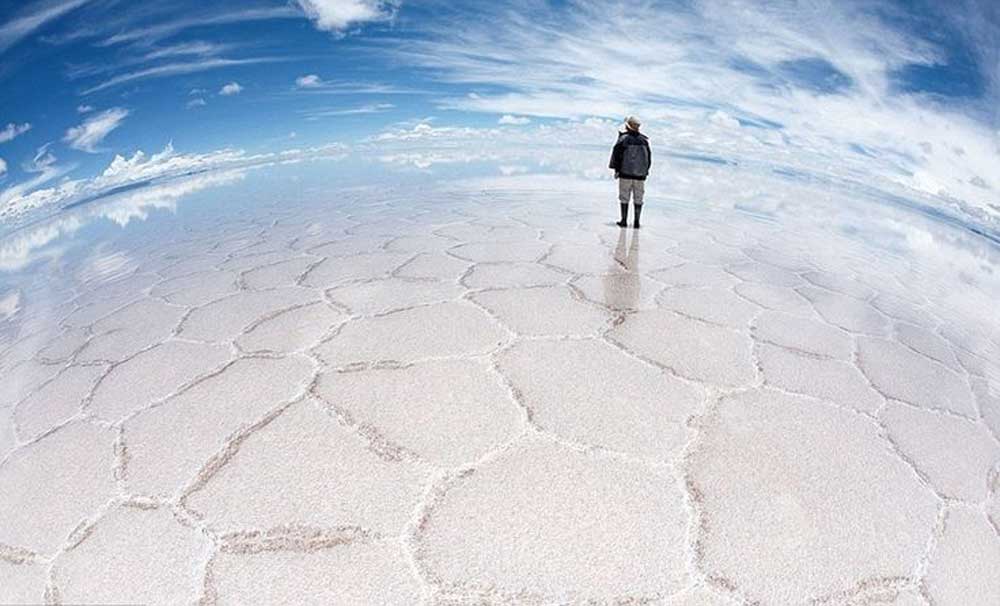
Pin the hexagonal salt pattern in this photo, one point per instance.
(497, 399)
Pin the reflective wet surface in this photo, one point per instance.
(283, 385)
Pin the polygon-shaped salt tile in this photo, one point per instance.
(438, 330)
(227, 318)
(56, 401)
(48, 487)
(448, 412)
(534, 520)
(779, 258)
(624, 405)
(511, 275)
(349, 245)
(978, 366)
(86, 315)
(192, 261)
(239, 263)
(368, 266)
(973, 337)
(8, 435)
(987, 398)
(153, 375)
(900, 373)
(956, 455)
(20, 380)
(804, 334)
(384, 228)
(693, 349)
(709, 255)
(128, 286)
(903, 310)
(438, 266)
(62, 347)
(965, 565)
(927, 343)
(22, 583)
(295, 329)
(162, 559)
(544, 310)
(775, 298)
(380, 296)
(417, 243)
(811, 490)
(352, 574)
(500, 251)
(197, 288)
(839, 283)
(713, 304)
(832, 380)
(265, 484)
(620, 290)
(167, 445)
(285, 273)
(135, 315)
(580, 259)
(846, 312)
(751, 271)
(694, 274)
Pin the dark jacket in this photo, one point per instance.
(631, 156)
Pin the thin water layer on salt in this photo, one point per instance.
(482, 393)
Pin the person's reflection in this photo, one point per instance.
(621, 282)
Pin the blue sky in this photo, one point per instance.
(84, 80)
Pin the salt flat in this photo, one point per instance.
(461, 398)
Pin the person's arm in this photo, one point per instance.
(649, 154)
(616, 157)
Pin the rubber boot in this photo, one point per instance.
(638, 211)
(624, 221)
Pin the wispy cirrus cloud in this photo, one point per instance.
(88, 135)
(12, 131)
(32, 19)
(332, 112)
(174, 69)
(149, 34)
(314, 84)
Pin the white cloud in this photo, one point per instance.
(83, 109)
(25, 24)
(3, 167)
(513, 120)
(308, 81)
(196, 102)
(94, 129)
(233, 88)
(338, 15)
(12, 131)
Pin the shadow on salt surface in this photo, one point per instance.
(481, 391)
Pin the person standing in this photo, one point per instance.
(631, 159)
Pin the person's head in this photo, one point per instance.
(632, 123)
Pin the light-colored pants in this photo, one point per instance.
(631, 187)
